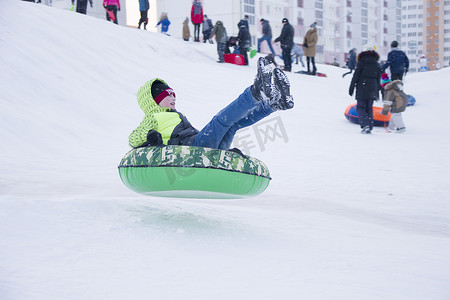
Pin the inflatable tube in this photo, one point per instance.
(192, 172)
(378, 119)
(411, 100)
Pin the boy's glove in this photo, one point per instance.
(384, 112)
(305, 45)
(154, 138)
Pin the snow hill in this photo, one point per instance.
(346, 216)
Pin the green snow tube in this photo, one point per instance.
(192, 172)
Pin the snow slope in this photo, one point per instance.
(346, 216)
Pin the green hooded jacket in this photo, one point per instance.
(173, 126)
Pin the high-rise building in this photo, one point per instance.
(436, 41)
(412, 32)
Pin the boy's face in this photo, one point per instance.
(168, 102)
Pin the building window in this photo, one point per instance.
(300, 3)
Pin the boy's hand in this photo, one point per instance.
(154, 138)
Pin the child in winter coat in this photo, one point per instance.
(395, 100)
(165, 23)
(297, 52)
(186, 30)
(351, 63)
(221, 38)
(164, 125)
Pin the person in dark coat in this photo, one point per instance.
(245, 22)
(397, 61)
(286, 39)
(144, 6)
(351, 64)
(366, 80)
(243, 40)
(82, 6)
(267, 36)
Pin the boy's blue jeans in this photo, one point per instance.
(242, 112)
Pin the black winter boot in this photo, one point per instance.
(284, 100)
(262, 87)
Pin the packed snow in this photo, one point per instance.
(346, 216)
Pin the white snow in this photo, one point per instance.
(346, 216)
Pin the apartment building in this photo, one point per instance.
(436, 41)
(412, 32)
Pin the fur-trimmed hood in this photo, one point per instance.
(368, 55)
(393, 85)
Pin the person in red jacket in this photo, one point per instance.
(197, 18)
(112, 6)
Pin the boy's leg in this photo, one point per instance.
(392, 126)
(212, 134)
(397, 120)
(221, 51)
(280, 99)
(258, 113)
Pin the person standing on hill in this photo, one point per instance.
(114, 6)
(396, 101)
(206, 29)
(221, 39)
(297, 52)
(366, 80)
(351, 63)
(309, 44)
(144, 6)
(165, 23)
(197, 18)
(186, 30)
(397, 61)
(82, 6)
(286, 39)
(243, 40)
(267, 36)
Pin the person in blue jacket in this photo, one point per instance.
(144, 6)
(397, 61)
(164, 21)
(351, 64)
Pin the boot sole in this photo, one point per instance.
(283, 85)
